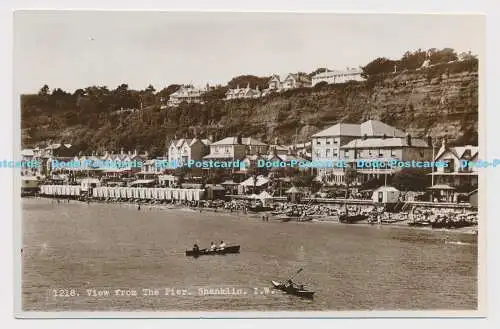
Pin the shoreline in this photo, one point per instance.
(326, 220)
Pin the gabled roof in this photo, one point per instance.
(244, 141)
(27, 152)
(370, 128)
(458, 151)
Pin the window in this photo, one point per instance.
(328, 153)
(451, 166)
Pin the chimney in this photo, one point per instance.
(135, 152)
(121, 151)
(257, 88)
(238, 86)
(129, 152)
(248, 85)
(211, 138)
(408, 139)
(239, 140)
(146, 154)
(429, 140)
(275, 140)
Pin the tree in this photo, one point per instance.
(378, 66)
(442, 56)
(253, 81)
(413, 60)
(350, 176)
(44, 91)
(318, 70)
(411, 179)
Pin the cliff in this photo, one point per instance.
(440, 101)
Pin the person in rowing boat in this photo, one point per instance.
(196, 248)
(212, 246)
(222, 245)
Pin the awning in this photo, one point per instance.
(261, 180)
(265, 195)
(441, 187)
(142, 181)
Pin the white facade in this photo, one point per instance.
(243, 93)
(186, 94)
(335, 76)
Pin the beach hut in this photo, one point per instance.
(442, 193)
(265, 198)
(130, 193)
(142, 193)
(175, 194)
(88, 183)
(161, 194)
(182, 194)
(168, 194)
(154, 193)
(148, 193)
(293, 194)
(385, 195)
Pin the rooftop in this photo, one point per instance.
(387, 142)
(370, 128)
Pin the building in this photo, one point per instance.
(290, 81)
(243, 93)
(336, 76)
(360, 151)
(187, 94)
(456, 175)
(28, 155)
(369, 140)
(386, 195)
(186, 149)
(236, 148)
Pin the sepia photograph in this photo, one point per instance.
(248, 162)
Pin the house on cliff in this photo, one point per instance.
(290, 81)
(243, 93)
(338, 76)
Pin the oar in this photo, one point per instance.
(300, 270)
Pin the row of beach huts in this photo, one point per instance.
(105, 192)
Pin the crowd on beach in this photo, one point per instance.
(418, 216)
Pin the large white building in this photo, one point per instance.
(337, 76)
(187, 94)
(370, 140)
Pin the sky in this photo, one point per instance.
(76, 49)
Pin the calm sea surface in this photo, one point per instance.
(108, 247)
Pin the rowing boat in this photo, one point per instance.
(352, 219)
(292, 290)
(206, 251)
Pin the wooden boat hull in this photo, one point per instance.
(259, 209)
(352, 219)
(206, 252)
(293, 291)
